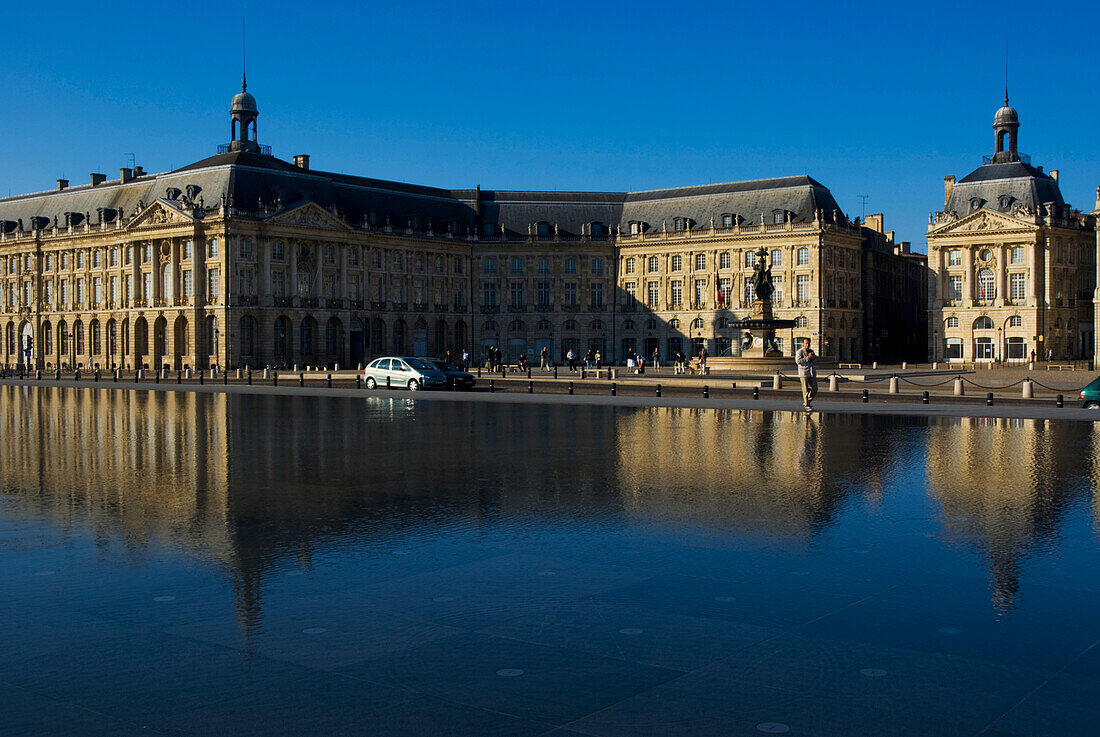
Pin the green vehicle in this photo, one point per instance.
(1090, 395)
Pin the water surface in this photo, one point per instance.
(208, 564)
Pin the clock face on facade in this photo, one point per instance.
(985, 254)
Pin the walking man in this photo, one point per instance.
(807, 374)
(703, 360)
(571, 356)
(544, 359)
(656, 359)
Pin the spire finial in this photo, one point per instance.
(244, 84)
(1006, 97)
(244, 57)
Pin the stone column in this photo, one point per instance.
(1002, 266)
(968, 277)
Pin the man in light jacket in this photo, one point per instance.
(807, 373)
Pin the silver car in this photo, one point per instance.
(403, 372)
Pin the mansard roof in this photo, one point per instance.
(262, 185)
(1022, 183)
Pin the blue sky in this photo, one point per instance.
(867, 98)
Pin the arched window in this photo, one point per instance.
(1015, 321)
(628, 325)
(597, 325)
(518, 325)
(544, 324)
(570, 324)
(722, 323)
(697, 323)
(987, 288)
(674, 324)
(983, 323)
(305, 281)
(952, 322)
(800, 322)
(489, 326)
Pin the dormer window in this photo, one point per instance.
(489, 229)
(727, 220)
(779, 217)
(976, 204)
(597, 229)
(1006, 202)
(679, 223)
(542, 228)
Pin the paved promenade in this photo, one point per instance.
(675, 391)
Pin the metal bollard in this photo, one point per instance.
(114, 376)
(201, 382)
(893, 385)
(388, 383)
(756, 392)
(358, 381)
(924, 397)
(479, 372)
(989, 399)
(301, 378)
(225, 378)
(492, 386)
(528, 372)
(330, 381)
(57, 375)
(503, 371)
(250, 377)
(658, 390)
(76, 375)
(1058, 402)
(865, 396)
(179, 376)
(555, 372)
(706, 391)
(612, 388)
(570, 387)
(96, 375)
(38, 374)
(274, 378)
(832, 383)
(530, 387)
(156, 377)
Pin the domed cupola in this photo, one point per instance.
(242, 116)
(1005, 125)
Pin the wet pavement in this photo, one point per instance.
(209, 563)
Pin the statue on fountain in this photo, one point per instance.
(764, 344)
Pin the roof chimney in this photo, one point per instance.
(98, 178)
(125, 175)
(301, 161)
(948, 185)
(1054, 174)
(62, 184)
(138, 172)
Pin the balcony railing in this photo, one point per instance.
(440, 308)
(399, 306)
(334, 304)
(420, 306)
(308, 301)
(377, 305)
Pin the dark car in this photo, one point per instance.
(456, 377)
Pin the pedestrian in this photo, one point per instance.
(544, 359)
(465, 359)
(656, 360)
(571, 357)
(1032, 355)
(641, 364)
(588, 359)
(703, 360)
(448, 358)
(521, 365)
(805, 358)
(599, 361)
(1050, 355)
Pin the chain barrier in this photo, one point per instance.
(1055, 388)
(915, 383)
(994, 388)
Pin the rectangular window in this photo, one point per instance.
(516, 296)
(246, 248)
(356, 286)
(489, 294)
(185, 254)
(212, 248)
(49, 293)
(597, 294)
(630, 265)
(64, 293)
(954, 288)
(653, 294)
(114, 290)
(597, 267)
(724, 286)
(1017, 254)
(700, 291)
(543, 289)
(353, 256)
(544, 266)
(277, 251)
(489, 265)
(517, 265)
(803, 256)
(777, 257)
(777, 294)
(147, 286)
(80, 291)
(571, 295)
(802, 289)
(954, 258)
(631, 293)
(278, 284)
(458, 265)
(700, 261)
(677, 292)
(570, 266)
(97, 290)
(188, 283)
(129, 283)
(750, 291)
(724, 260)
(1016, 288)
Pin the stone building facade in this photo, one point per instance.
(245, 259)
(1013, 266)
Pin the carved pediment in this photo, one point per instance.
(310, 215)
(160, 213)
(981, 221)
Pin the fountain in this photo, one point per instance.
(759, 348)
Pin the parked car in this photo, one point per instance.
(1090, 395)
(456, 377)
(403, 372)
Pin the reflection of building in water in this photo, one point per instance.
(1004, 486)
(255, 483)
(774, 472)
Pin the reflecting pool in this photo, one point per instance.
(212, 564)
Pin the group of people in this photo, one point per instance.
(593, 359)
